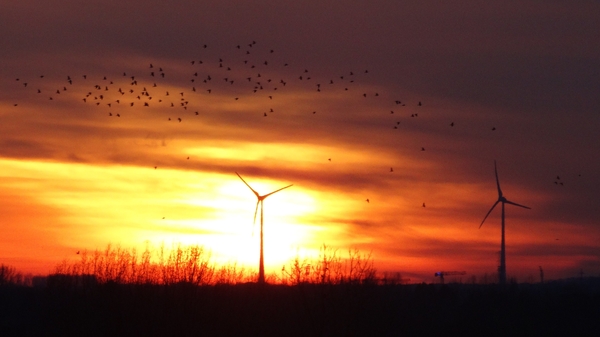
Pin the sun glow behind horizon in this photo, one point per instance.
(131, 206)
(211, 210)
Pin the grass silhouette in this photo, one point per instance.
(193, 265)
(154, 266)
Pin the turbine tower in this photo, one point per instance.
(503, 200)
(260, 200)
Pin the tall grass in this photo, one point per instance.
(330, 268)
(193, 265)
(153, 266)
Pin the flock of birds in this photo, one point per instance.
(249, 74)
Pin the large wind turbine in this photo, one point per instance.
(261, 198)
(503, 200)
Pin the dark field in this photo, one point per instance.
(565, 308)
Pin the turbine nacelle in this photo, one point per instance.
(501, 198)
(260, 198)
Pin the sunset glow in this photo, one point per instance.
(388, 130)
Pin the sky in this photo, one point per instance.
(125, 123)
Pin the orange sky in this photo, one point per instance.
(72, 177)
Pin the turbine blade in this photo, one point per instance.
(514, 203)
(283, 188)
(488, 213)
(256, 193)
(497, 181)
(255, 211)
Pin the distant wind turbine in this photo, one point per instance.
(260, 200)
(503, 200)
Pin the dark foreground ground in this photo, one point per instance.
(555, 309)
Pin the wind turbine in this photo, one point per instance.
(503, 200)
(261, 198)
